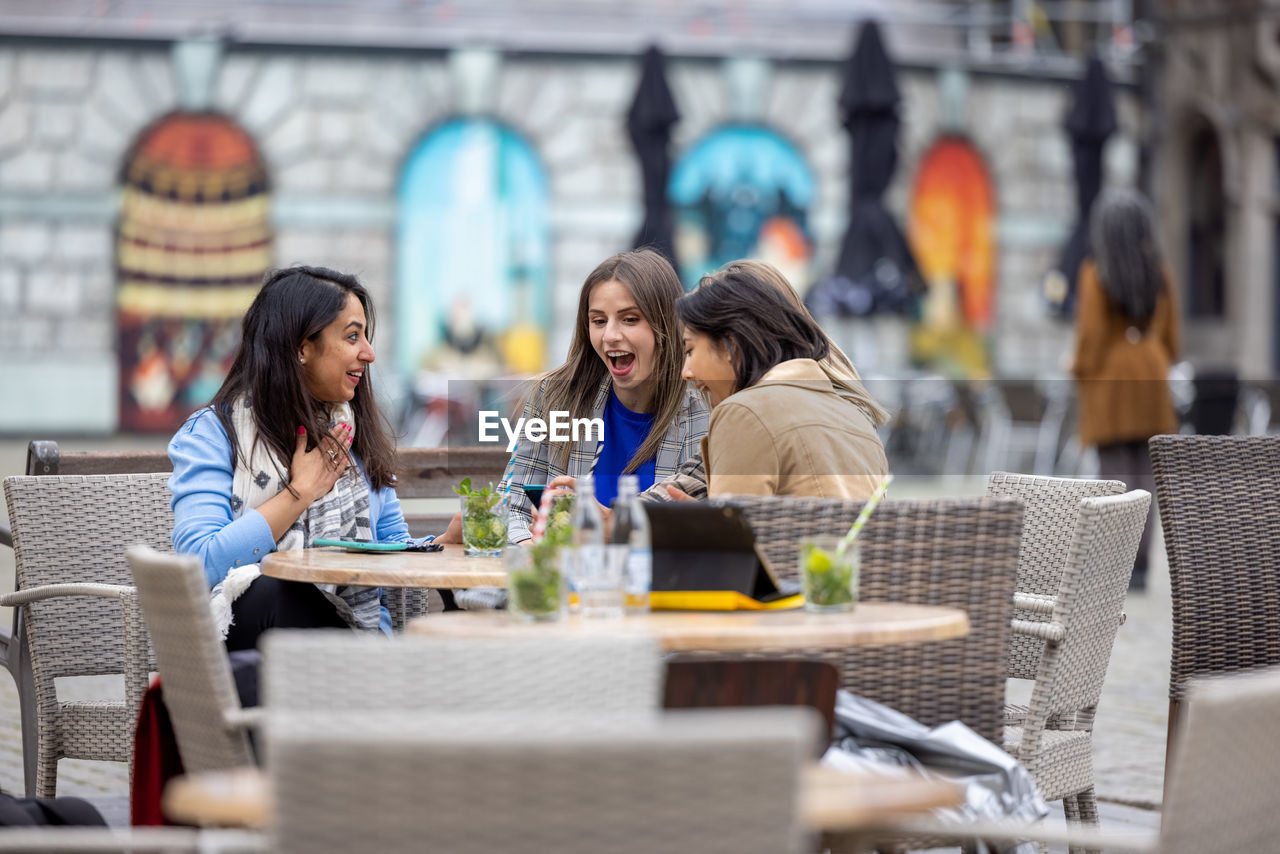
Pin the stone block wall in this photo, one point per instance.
(335, 130)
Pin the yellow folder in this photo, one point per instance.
(717, 600)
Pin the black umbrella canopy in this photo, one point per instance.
(876, 270)
(653, 112)
(1089, 121)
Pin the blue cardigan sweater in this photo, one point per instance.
(203, 523)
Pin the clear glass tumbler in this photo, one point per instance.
(828, 574)
(484, 524)
(535, 585)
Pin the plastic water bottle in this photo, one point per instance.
(629, 546)
(598, 595)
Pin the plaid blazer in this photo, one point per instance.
(532, 462)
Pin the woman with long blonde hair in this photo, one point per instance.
(622, 367)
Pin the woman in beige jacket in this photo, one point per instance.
(778, 424)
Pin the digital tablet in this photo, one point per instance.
(371, 546)
(702, 546)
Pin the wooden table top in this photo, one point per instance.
(836, 800)
(870, 624)
(449, 568)
(830, 799)
(239, 797)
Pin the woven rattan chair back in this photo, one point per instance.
(1219, 501)
(1048, 527)
(1055, 738)
(961, 553)
(716, 781)
(1220, 794)
(346, 670)
(73, 530)
(194, 672)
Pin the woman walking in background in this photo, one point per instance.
(1126, 340)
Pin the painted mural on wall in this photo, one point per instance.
(473, 298)
(193, 243)
(951, 230)
(743, 191)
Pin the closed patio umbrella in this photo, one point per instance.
(875, 270)
(1089, 121)
(653, 112)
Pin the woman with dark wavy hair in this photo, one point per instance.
(1126, 340)
(292, 449)
(779, 425)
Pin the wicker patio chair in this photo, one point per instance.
(80, 612)
(199, 692)
(1051, 507)
(136, 840)
(1219, 499)
(961, 553)
(713, 781)
(1053, 739)
(1221, 789)
(340, 670)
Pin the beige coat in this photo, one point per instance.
(792, 434)
(1122, 372)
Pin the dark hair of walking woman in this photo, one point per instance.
(1127, 254)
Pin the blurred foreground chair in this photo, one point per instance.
(961, 553)
(1219, 500)
(707, 781)
(80, 615)
(145, 840)
(1221, 789)
(344, 670)
(1053, 736)
(195, 675)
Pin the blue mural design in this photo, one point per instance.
(473, 249)
(743, 191)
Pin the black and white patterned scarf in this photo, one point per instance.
(342, 512)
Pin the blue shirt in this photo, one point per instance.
(203, 523)
(624, 433)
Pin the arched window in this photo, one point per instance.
(472, 254)
(743, 191)
(951, 229)
(193, 243)
(1206, 224)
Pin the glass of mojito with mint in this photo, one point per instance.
(484, 519)
(829, 574)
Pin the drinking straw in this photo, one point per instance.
(867, 508)
(540, 517)
(506, 476)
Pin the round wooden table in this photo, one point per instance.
(449, 568)
(870, 624)
(830, 799)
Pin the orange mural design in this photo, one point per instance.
(952, 233)
(193, 244)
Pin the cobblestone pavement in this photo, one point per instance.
(1130, 727)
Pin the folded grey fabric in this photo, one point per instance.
(481, 598)
(872, 737)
